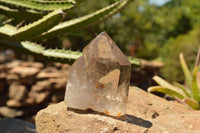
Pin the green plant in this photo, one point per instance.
(184, 43)
(24, 38)
(189, 95)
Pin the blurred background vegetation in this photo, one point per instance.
(150, 31)
(143, 29)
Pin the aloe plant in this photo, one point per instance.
(8, 32)
(189, 95)
(52, 11)
(44, 5)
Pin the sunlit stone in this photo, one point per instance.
(99, 79)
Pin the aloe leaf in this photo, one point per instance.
(15, 13)
(134, 62)
(8, 32)
(56, 55)
(85, 21)
(33, 47)
(167, 85)
(59, 53)
(182, 88)
(24, 47)
(191, 103)
(44, 5)
(195, 89)
(170, 92)
(198, 58)
(186, 71)
(63, 56)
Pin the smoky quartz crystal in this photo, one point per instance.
(99, 79)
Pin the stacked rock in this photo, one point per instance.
(27, 87)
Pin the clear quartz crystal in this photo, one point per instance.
(99, 79)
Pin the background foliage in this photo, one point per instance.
(151, 32)
(142, 30)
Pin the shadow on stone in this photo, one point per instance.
(128, 118)
(137, 121)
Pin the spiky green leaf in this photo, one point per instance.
(186, 71)
(63, 54)
(167, 85)
(167, 91)
(15, 13)
(78, 23)
(198, 58)
(33, 47)
(44, 5)
(191, 103)
(24, 47)
(57, 55)
(183, 88)
(195, 89)
(8, 32)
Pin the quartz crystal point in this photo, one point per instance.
(99, 79)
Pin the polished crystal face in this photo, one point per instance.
(99, 79)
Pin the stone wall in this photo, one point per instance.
(27, 87)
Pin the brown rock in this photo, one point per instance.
(13, 64)
(29, 102)
(11, 78)
(151, 64)
(24, 72)
(158, 116)
(10, 112)
(57, 119)
(17, 92)
(33, 64)
(42, 86)
(58, 83)
(45, 75)
(13, 103)
(2, 68)
(52, 72)
(39, 97)
(3, 75)
(49, 72)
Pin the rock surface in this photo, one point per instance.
(146, 113)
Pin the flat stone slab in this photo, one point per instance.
(146, 113)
